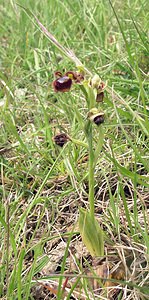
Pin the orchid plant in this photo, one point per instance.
(93, 88)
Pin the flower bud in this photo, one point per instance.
(91, 233)
(61, 139)
(95, 81)
(96, 116)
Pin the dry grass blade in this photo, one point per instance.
(67, 52)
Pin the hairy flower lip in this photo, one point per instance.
(62, 84)
(99, 119)
(61, 139)
(100, 97)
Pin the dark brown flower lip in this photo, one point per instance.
(99, 119)
(62, 84)
(61, 139)
(100, 97)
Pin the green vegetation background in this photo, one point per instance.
(37, 178)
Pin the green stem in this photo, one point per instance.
(99, 144)
(78, 142)
(91, 173)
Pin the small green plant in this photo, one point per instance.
(93, 89)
